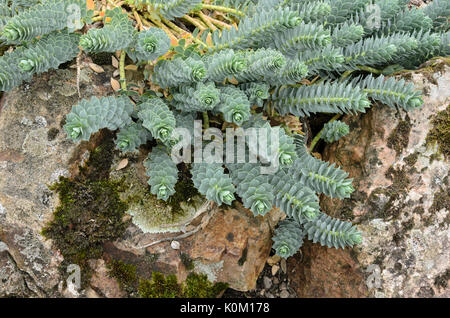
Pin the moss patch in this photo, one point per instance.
(198, 286)
(187, 261)
(125, 274)
(160, 287)
(388, 203)
(153, 215)
(195, 286)
(399, 137)
(90, 212)
(411, 159)
(440, 133)
(135, 284)
(441, 200)
(52, 133)
(184, 190)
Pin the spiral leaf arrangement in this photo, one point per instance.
(130, 137)
(149, 45)
(285, 57)
(211, 181)
(89, 116)
(201, 97)
(334, 130)
(252, 187)
(116, 35)
(157, 117)
(288, 238)
(43, 18)
(163, 173)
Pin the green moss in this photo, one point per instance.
(187, 261)
(90, 212)
(411, 159)
(125, 275)
(184, 190)
(160, 287)
(399, 137)
(195, 286)
(198, 286)
(52, 133)
(440, 133)
(243, 258)
(100, 159)
(441, 281)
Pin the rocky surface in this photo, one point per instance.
(401, 204)
(34, 152)
(230, 246)
(273, 282)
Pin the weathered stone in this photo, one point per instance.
(325, 272)
(103, 282)
(284, 294)
(12, 281)
(267, 282)
(401, 203)
(34, 152)
(274, 260)
(275, 269)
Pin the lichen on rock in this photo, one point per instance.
(150, 214)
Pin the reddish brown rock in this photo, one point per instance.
(231, 247)
(238, 239)
(102, 282)
(325, 272)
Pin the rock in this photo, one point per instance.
(231, 246)
(325, 272)
(267, 282)
(275, 259)
(401, 204)
(283, 265)
(12, 281)
(34, 152)
(275, 269)
(284, 294)
(175, 245)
